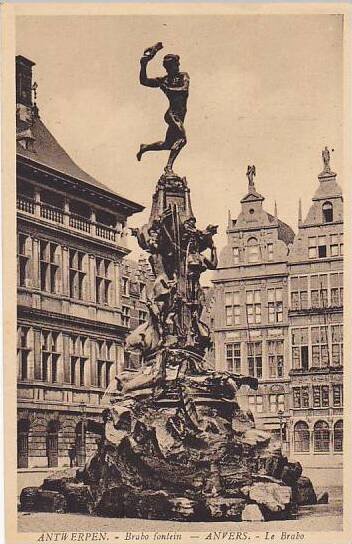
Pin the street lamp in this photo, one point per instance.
(281, 415)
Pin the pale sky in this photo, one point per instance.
(265, 90)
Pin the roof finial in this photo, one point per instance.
(250, 175)
(275, 209)
(300, 212)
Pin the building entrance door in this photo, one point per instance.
(52, 444)
(80, 444)
(22, 443)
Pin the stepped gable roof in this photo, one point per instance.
(48, 152)
(285, 233)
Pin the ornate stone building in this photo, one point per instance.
(316, 327)
(73, 302)
(250, 311)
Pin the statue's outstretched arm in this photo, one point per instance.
(143, 78)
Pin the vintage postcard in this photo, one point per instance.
(177, 357)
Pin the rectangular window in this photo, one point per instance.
(296, 392)
(320, 396)
(299, 292)
(232, 309)
(325, 396)
(336, 289)
(275, 307)
(22, 260)
(23, 351)
(233, 357)
(319, 290)
(126, 316)
(320, 349)
(277, 403)
(142, 292)
(300, 357)
(337, 345)
(301, 397)
(49, 266)
(77, 274)
(312, 247)
(253, 306)
(316, 396)
(142, 316)
(254, 359)
(334, 245)
(322, 247)
(103, 281)
(125, 287)
(276, 358)
(104, 362)
(50, 355)
(337, 395)
(78, 359)
(236, 255)
(255, 403)
(305, 396)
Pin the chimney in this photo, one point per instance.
(24, 81)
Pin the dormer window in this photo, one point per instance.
(253, 250)
(327, 212)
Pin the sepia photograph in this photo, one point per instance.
(177, 236)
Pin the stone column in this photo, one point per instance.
(35, 264)
(91, 278)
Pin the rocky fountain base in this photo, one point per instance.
(184, 451)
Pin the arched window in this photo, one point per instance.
(338, 436)
(321, 437)
(301, 437)
(328, 215)
(253, 250)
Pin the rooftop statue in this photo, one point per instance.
(326, 159)
(250, 175)
(175, 85)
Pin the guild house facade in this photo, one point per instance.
(251, 309)
(77, 300)
(278, 315)
(315, 267)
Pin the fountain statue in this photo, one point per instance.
(174, 442)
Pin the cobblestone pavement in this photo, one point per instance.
(321, 517)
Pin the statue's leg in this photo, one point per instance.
(156, 146)
(177, 139)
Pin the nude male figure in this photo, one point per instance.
(175, 85)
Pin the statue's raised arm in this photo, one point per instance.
(175, 86)
(148, 55)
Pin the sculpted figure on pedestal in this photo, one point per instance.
(175, 85)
